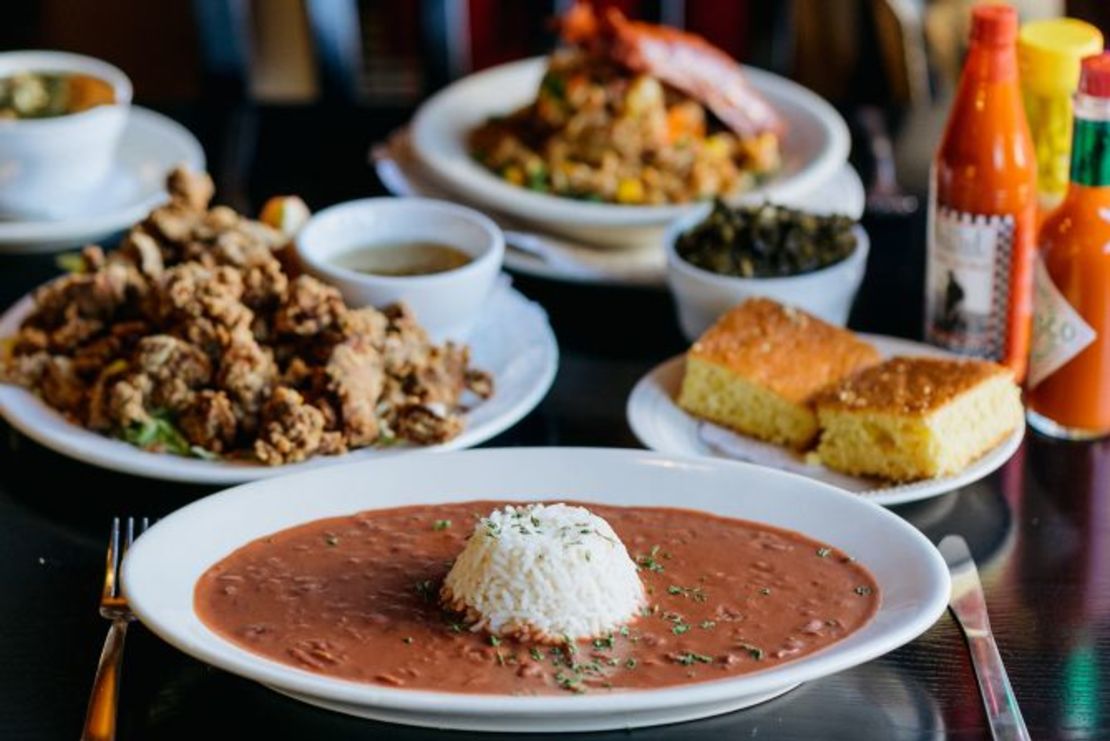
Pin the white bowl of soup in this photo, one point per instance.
(61, 116)
(440, 259)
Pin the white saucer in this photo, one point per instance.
(512, 340)
(150, 147)
(660, 424)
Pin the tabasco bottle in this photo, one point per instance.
(1069, 368)
(983, 206)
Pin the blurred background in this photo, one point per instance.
(288, 96)
(368, 57)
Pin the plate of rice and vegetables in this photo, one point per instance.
(616, 132)
(528, 590)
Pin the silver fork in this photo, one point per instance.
(100, 720)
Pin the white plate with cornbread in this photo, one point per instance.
(888, 418)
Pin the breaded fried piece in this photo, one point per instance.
(756, 369)
(914, 418)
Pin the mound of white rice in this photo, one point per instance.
(545, 572)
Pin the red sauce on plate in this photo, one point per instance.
(356, 598)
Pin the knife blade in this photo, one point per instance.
(970, 609)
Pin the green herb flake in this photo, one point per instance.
(754, 651)
(823, 552)
(707, 624)
(494, 641)
(441, 525)
(331, 540)
(689, 658)
(680, 628)
(630, 664)
(535, 653)
(862, 591)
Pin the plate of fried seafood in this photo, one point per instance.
(887, 418)
(614, 134)
(198, 351)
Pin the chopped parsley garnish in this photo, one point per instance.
(689, 658)
(494, 641)
(754, 651)
(863, 591)
(535, 653)
(624, 631)
(823, 552)
(603, 643)
(708, 624)
(426, 590)
(441, 525)
(455, 627)
(680, 628)
(630, 664)
(695, 593)
(331, 540)
(649, 562)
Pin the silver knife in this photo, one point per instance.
(970, 609)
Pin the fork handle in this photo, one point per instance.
(1003, 714)
(100, 720)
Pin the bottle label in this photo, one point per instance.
(1059, 332)
(1090, 153)
(968, 282)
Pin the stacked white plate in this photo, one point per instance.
(601, 242)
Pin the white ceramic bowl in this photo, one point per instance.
(162, 568)
(700, 296)
(447, 304)
(814, 150)
(48, 166)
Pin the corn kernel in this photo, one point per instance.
(630, 190)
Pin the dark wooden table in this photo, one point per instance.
(1040, 528)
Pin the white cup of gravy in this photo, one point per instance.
(61, 117)
(440, 259)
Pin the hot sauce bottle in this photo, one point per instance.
(983, 206)
(1069, 367)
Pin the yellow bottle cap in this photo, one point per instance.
(1049, 52)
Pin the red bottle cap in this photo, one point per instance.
(994, 24)
(1094, 76)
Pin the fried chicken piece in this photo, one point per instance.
(479, 382)
(175, 369)
(406, 343)
(210, 421)
(425, 425)
(95, 295)
(52, 376)
(189, 188)
(143, 251)
(365, 322)
(291, 429)
(441, 377)
(73, 330)
(310, 308)
(356, 377)
(247, 372)
(126, 401)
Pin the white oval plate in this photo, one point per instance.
(815, 147)
(512, 340)
(162, 568)
(151, 145)
(660, 424)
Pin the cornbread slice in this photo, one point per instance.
(757, 367)
(915, 418)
